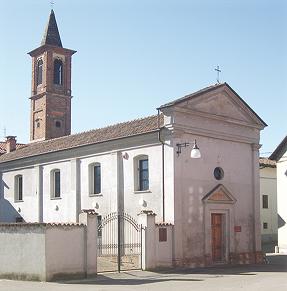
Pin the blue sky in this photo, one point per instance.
(134, 56)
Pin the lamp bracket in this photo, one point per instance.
(180, 146)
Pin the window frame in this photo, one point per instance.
(265, 201)
(93, 184)
(139, 172)
(55, 182)
(18, 188)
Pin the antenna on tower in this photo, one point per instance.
(4, 132)
(52, 4)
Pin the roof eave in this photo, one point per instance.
(184, 98)
(258, 117)
(46, 47)
(280, 150)
(75, 147)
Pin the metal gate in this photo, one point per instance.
(119, 243)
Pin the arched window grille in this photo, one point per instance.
(58, 72)
(39, 72)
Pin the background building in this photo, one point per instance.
(280, 156)
(268, 204)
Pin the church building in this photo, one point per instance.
(194, 165)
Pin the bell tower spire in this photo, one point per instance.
(52, 35)
(51, 86)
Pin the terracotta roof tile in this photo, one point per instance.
(90, 211)
(3, 147)
(265, 162)
(164, 224)
(117, 131)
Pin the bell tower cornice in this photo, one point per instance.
(45, 48)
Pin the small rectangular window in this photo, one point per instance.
(56, 184)
(97, 179)
(19, 188)
(162, 234)
(265, 201)
(265, 225)
(143, 175)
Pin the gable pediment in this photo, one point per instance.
(219, 194)
(222, 103)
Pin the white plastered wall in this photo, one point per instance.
(282, 202)
(10, 208)
(268, 186)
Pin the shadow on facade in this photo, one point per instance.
(281, 221)
(8, 213)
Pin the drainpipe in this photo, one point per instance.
(162, 165)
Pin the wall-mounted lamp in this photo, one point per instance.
(194, 154)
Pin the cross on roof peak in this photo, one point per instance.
(218, 71)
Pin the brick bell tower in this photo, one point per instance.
(51, 86)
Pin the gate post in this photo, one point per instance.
(147, 220)
(89, 218)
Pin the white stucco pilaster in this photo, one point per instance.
(1, 196)
(120, 183)
(178, 203)
(76, 186)
(282, 202)
(256, 197)
(39, 190)
(147, 220)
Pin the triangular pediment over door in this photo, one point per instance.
(219, 194)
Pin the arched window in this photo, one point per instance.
(39, 72)
(141, 173)
(18, 188)
(58, 72)
(95, 178)
(55, 182)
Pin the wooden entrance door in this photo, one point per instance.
(217, 237)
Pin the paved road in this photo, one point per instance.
(272, 276)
